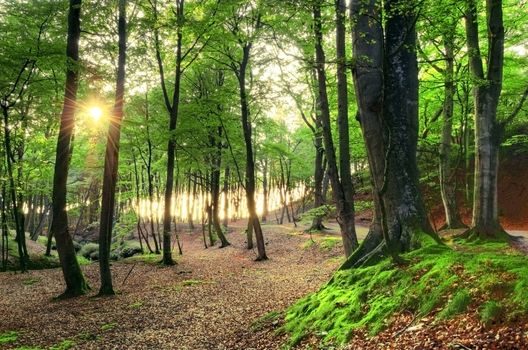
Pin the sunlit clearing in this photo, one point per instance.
(96, 113)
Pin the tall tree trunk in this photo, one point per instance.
(386, 81)
(112, 162)
(250, 161)
(447, 174)
(486, 91)
(75, 282)
(345, 213)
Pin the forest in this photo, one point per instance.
(295, 174)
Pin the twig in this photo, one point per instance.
(129, 272)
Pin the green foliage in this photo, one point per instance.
(490, 311)
(8, 337)
(90, 251)
(439, 279)
(458, 304)
(320, 212)
(151, 259)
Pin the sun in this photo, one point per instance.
(96, 113)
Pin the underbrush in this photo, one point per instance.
(443, 280)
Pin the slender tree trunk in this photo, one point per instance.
(345, 212)
(215, 190)
(112, 162)
(226, 196)
(15, 202)
(265, 191)
(447, 174)
(319, 200)
(75, 282)
(250, 161)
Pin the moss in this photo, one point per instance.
(457, 305)
(490, 311)
(439, 279)
(108, 326)
(8, 337)
(88, 250)
(30, 281)
(151, 259)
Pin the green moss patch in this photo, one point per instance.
(8, 337)
(439, 279)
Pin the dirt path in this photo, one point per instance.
(208, 301)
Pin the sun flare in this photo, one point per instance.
(96, 113)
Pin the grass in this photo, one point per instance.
(8, 337)
(108, 326)
(150, 259)
(30, 281)
(324, 243)
(440, 279)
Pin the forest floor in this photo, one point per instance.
(212, 299)
(209, 300)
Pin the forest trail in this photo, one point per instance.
(209, 300)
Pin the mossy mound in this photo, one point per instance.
(445, 280)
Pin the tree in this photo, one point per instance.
(246, 17)
(386, 82)
(342, 188)
(75, 283)
(487, 86)
(112, 162)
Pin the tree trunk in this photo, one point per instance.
(265, 190)
(112, 162)
(345, 213)
(447, 174)
(487, 90)
(75, 282)
(319, 200)
(250, 161)
(215, 190)
(226, 196)
(386, 82)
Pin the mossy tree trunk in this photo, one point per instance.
(386, 82)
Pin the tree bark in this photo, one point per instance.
(486, 92)
(345, 212)
(112, 162)
(250, 161)
(75, 283)
(447, 174)
(386, 82)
